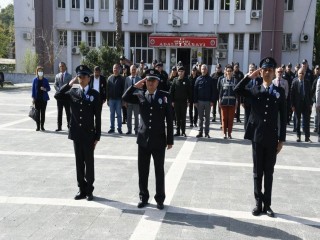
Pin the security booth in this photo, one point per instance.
(187, 48)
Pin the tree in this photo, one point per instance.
(119, 7)
(316, 49)
(104, 56)
(30, 62)
(6, 31)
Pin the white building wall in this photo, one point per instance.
(193, 22)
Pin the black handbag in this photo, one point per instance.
(33, 113)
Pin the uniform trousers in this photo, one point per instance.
(41, 106)
(264, 158)
(60, 105)
(193, 117)
(204, 111)
(247, 111)
(144, 156)
(84, 153)
(180, 109)
(135, 109)
(227, 113)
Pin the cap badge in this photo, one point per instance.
(267, 60)
(81, 68)
(152, 72)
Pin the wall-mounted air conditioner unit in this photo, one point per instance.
(147, 21)
(176, 22)
(294, 46)
(26, 36)
(255, 14)
(88, 20)
(75, 50)
(304, 38)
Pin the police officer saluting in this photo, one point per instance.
(153, 139)
(85, 127)
(268, 102)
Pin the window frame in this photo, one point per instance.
(256, 5)
(75, 4)
(163, 5)
(76, 42)
(287, 4)
(238, 41)
(89, 4)
(148, 5)
(194, 5)
(286, 42)
(255, 45)
(104, 4)
(225, 5)
(63, 38)
(141, 46)
(91, 38)
(61, 4)
(108, 37)
(178, 5)
(240, 5)
(134, 5)
(209, 5)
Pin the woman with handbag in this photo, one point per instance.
(40, 89)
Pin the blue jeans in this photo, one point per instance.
(115, 107)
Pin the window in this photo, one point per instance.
(208, 56)
(208, 4)
(163, 4)
(225, 5)
(91, 39)
(238, 41)
(178, 4)
(89, 4)
(140, 43)
(63, 38)
(240, 4)
(288, 5)
(194, 5)
(76, 38)
(61, 4)
(148, 4)
(256, 4)
(223, 41)
(75, 4)
(254, 43)
(286, 41)
(133, 4)
(108, 39)
(104, 4)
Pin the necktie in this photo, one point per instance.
(62, 77)
(132, 79)
(279, 82)
(267, 89)
(302, 89)
(150, 97)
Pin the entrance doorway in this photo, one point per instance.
(183, 55)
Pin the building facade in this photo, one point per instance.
(206, 31)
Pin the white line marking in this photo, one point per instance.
(150, 222)
(117, 157)
(154, 214)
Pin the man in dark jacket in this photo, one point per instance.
(268, 108)
(301, 103)
(237, 74)
(98, 82)
(115, 90)
(153, 137)
(204, 99)
(85, 127)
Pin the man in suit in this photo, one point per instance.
(268, 105)
(98, 83)
(85, 127)
(153, 137)
(61, 79)
(132, 107)
(237, 74)
(301, 103)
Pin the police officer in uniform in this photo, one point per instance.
(153, 137)
(268, 103)
(85, 127)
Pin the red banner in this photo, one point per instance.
(180, 42)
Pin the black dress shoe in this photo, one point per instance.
(195, 125)
(142, 204)
(256, 211)
(128, 133)
(136, 133)
(90, 197)
(80, 195)
(199, 135)
(207, 135)
(111, 131)
(268, 211)
(315, 130)
(298, 139)
(238, 120)
(58, 129)
(160, 206)
(183, 135)
(37, 129)
(308, 140)
(42, 128)
(176, 134)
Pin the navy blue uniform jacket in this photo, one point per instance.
(265, 109)
(85, 123)
(154, 118)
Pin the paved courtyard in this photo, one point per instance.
(209, 185)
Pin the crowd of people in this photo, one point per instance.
(272, 98)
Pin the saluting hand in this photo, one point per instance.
(255, 74)
(141, 83)
(73, 81)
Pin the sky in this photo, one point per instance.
(4, 3)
